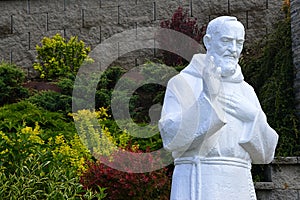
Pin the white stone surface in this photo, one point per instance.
(212, 121)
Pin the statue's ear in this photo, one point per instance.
(207, 41)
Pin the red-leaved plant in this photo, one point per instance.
(128, 185)
(180, 22)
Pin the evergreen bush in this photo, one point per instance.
(268, 67)
(11, 80)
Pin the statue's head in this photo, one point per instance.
(224, 41)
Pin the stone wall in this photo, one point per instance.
(23, 23)
(285, 181)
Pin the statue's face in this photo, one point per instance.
(226, 47)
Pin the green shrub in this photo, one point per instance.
(38, 163)
(268, 67)
(30, 130)
(52, 101)
(38, 178)
(106, 85)
(28, 142)
(95, 137)
(66, 84)
(58, 57)
(11, 79)
(14, 115)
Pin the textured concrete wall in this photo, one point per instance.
(23, 23)
(285, 185)
(295, 18)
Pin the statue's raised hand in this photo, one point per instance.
(211, 78)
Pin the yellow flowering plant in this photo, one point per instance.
(95, 136)
(58, 57)
(73, 154)
(27, 142)
(33, 168)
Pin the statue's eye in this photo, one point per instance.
(240, 41)
(225, 39)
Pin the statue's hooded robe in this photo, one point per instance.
(212, 150)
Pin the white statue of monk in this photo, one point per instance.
(212, 121)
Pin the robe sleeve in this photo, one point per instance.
(259, 139)
(185, 116)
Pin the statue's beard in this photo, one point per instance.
(228, 66)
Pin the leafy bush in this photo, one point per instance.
(38, 179)
(268, 67)
(121, 185)
(106, 85)
(66, 84)
(126, 185)
(97, 138)
(52, 101)
(181, 22)
(41, 156)
(28, 142)
(35, 168)
(58, 57)
(11, 79)
(14, 115)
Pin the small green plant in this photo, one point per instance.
(58, 57)
(11, 79)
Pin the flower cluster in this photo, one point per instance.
(73, 153)
(28, 142)
(97, 138)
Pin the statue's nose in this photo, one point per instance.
(232, 47)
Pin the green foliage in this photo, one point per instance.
(152, 91)
(11, 79)
(28, 130)
(95, 137)
(106, 84)
(37, 178)
(58, 57)
(123, 138)
(66, 84)
(268, 67)
(41, 157)
(28, 142)
(140, 100)
(15, 115)
(52, 101)
(127, 136)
